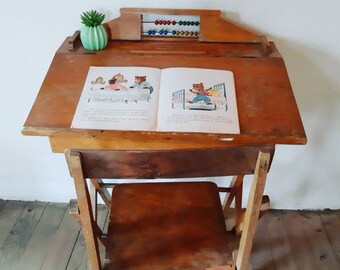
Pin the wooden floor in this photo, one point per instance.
(40, 235)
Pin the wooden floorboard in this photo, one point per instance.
(323, 253)
(331, 224)
(21, 232)
(300, 246)
(63, 242)
(42, 239)
(38, 235)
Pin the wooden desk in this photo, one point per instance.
(268, 113)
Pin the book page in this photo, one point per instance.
(118, 98)
(197, 100)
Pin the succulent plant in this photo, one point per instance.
(92, 18)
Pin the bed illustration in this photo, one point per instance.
(129, 95)
(216, 99)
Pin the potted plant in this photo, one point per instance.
(93, 35)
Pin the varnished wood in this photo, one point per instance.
(96, 164)
(167, 226)
(252, 211)
(213, 28)
(267, 111)
(271, 249)
(73, 41)
(170, 164)
(235, 195)
(86, 213)
(102, 191)
(127, 27)
(266, 107)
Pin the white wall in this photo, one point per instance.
(306, 33)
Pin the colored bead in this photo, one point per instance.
(173, 22)
(165, 32)
(197, 23)
(168, 22)
(180, 22)
(174, 32)
(184, 23)
(192, 23)
(156, 22)
(161, 32)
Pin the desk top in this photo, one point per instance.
(268, 113)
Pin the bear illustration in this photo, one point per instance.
(142, 83)
(201, 93)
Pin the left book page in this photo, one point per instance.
(119, 98)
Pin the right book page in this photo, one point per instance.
(197, 100)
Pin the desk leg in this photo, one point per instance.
(102, 191)
(252, 211)
(236, 189)
(89, 226)
(93, 198)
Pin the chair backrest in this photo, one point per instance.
(179, 163)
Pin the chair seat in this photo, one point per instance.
(167, 226)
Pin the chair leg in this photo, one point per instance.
(252, 211)
(74, 210)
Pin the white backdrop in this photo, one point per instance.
(306, 33)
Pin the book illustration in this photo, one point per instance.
(201, 98)
(177, 99)
(99, 80)
(117, 90)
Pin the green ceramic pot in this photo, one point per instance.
(93, 38)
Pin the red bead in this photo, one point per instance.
(173, 22)
(168, 22)
(156, 22)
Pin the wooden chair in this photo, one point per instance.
(163, 225)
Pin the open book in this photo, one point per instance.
(151, 99)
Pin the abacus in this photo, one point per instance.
(170, 25)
